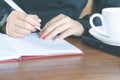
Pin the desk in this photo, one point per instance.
(93, 65)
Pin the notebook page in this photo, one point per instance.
(6, 50)
(33, 45)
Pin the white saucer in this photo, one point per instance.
(104, 38)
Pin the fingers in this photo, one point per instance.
(22, 31)
(35, 17)
(56, 31)
(18, 35)
(18, 32)
(57, 18)
(55, 26)
(64, 34)
(26, 26)
(32, 20)
(61, 26)
(21, 24)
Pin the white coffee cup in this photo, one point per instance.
(110, 19)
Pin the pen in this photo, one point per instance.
(12, 4)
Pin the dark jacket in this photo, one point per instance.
(47, 9)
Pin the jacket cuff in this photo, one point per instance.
(86, 25)
(3, 22)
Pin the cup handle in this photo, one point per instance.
(95, 27)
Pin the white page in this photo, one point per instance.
(6, 50)
(32, 45)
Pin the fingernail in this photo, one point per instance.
(45, 37)
(41, 32)
(42, 35)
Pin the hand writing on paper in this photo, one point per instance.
(62, 26)
(21, 24)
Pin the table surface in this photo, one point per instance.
(93, 65)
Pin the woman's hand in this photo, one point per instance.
(21, 24)
(61, 26)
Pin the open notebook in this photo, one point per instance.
(32, 45)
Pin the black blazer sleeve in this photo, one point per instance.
(4, 12)
(4, 8)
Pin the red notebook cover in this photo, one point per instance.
(37, 57)
(32, 47)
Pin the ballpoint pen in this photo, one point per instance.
(12, 4)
